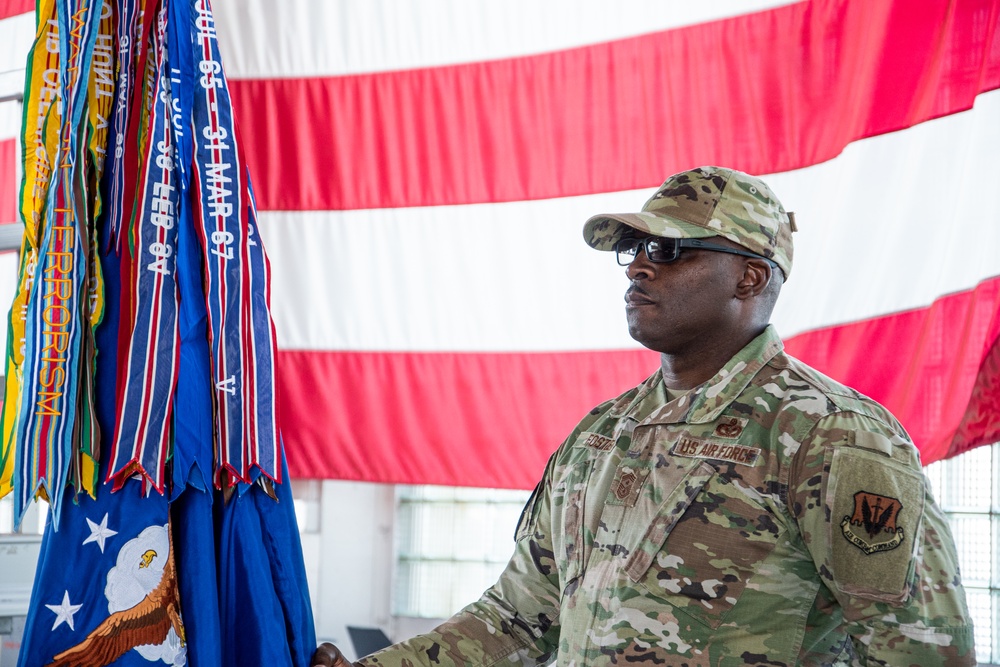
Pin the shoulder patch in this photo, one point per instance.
(872, 527)
(876, 508)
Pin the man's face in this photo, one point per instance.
(678, 306)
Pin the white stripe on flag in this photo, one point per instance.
(16, 34)
(891, 224)
(10, 116)
(297, 38)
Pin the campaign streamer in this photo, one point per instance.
(39, 141)
(143, 435)
(241, 339)
(129, 14)
(259, 348)
(129, 119)
(47, 415)
(100, 99)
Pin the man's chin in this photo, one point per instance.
(643, 338)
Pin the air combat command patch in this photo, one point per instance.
(875, 516)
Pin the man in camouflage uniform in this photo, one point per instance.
(737, 507)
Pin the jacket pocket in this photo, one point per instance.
(667, 515)
(703, 547)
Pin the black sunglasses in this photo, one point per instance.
(661, 250)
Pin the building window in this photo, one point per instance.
(452, 544)
(306, 496)
(968, 489)
(34, 517)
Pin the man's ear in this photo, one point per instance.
(755, 278)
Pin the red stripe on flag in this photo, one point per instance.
(765, 92)
(980, 424)
(10, 8)
(8, 181)
(923, 365)
(413, 417)
(417, 418)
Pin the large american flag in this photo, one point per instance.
(424, 170)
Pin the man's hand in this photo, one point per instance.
(328, 655)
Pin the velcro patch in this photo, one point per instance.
(875, 505)
(626, 485)
(597, 441)
(698, 448)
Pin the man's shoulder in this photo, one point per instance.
(623, 402)
(800, 387)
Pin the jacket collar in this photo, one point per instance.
(649, 405)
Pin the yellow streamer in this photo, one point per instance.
(39, 144)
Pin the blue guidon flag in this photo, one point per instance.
(139, 398)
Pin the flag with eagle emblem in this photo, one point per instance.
(106, 582)
(176, 542)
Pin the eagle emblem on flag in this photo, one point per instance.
(143, 605)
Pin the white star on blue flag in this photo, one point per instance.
(64, 612)
(100, 533)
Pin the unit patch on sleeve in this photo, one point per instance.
(875, 507)
(872, 526)
(698, 448)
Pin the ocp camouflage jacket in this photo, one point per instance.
(771, 517)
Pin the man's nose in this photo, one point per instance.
(640, 267)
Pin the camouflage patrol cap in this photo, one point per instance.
(702, 202)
